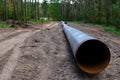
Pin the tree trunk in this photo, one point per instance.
(35, 10)
(99, 11)
(28, 10)
(117, 14)
(38, 10)
(94, 6)
(5, 10)
(107, 12)
(63, 10)
(15, 9)
(22, 13)
(25, 11)
(85, 10)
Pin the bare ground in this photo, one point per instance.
(43, 53)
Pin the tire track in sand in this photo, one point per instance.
(7, 45)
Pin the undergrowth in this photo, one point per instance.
(3, 25)
(111, 29)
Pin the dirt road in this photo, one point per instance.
(43, 53)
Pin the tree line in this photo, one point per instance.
(92, 11)
(21, 10)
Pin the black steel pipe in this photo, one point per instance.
(91, 55)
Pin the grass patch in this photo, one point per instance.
(3, 25)
(42, 19)
(75, 22)
(35, 22)
(111, 29)
(7, 26)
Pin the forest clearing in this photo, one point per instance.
(34, 45)
(43, 53)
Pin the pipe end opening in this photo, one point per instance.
(93, 56)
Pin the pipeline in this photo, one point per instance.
(91, 55)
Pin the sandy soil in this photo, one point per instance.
(43, 53)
